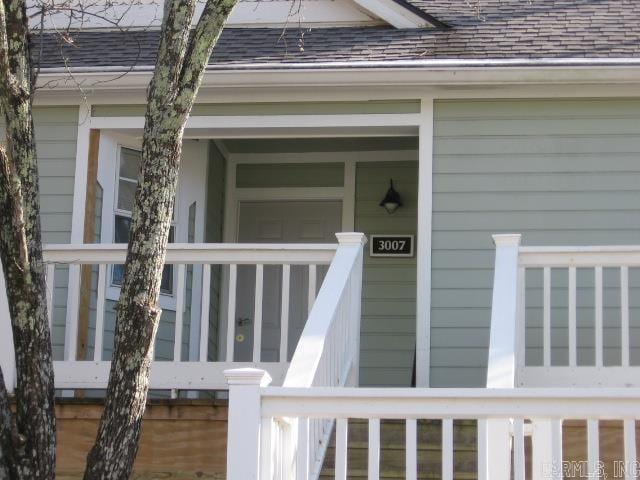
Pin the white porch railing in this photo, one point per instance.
(327, 354)
(530, 312)
(256, 449)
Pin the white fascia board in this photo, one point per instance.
(394, 13)
(461, 74)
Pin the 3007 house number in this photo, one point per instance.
(391, 246)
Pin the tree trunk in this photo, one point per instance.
(33, 438)
(182, 59)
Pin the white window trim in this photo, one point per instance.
(167, 301)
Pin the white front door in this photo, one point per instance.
(279, 222)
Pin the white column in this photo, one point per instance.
(501, 366)
(425, 189)
(355, 296)
(7, 356)
(502, 349)
(244, 422)
(77, 229)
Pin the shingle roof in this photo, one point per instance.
(500, 29)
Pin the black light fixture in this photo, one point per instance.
(392, 200)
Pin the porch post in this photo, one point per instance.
(423, 297)
(244, 422)
(77, 229)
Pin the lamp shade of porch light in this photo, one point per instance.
(392, 200)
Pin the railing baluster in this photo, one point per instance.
(97, 346)
(177, 346)
(268, 448)
(50, 281)
(231, 311)
(518, 449)
(257, 313)
(284, 313)
(204, 312)
(411, 449)
(447, 449)
(546, 321)
(599, 343)
(624, 315)
(572, 318)
(312, 287)
(630, 455)
(71, 323)
(341, 449)
(521, 317)
(373, 470)
(593, 447)
(547, 449)
(302, 458)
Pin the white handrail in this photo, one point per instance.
(328, 351)
(315, 336)
(216, 253)
(458, 403)
(603, 256)
(326, 355)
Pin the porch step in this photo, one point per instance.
(392, 450)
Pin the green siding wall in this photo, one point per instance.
(389, 284)
(561, 172)
(290, 175)
(56, 130)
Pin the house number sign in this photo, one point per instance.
(391, 246)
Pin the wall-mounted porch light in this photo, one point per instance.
(392, 200)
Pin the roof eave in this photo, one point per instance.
(417, 72)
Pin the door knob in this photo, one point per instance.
(243, 321)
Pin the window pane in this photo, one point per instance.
(122, 226)
(118, 273)
(129, 163)
(126, 194)
(166, 286)
(167, 273)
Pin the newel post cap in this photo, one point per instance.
(507, 239)
(247, 376)
(351, 238)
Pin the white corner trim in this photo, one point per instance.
(394, 13)
(77, 228)
(423, 298)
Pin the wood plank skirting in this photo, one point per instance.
(181, 439)
(186, 439)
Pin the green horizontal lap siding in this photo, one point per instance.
(561, 172)
(283, 108)
(290, 175)
(56, 131)
(389, 284)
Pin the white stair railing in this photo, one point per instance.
(326, 356)
(545, 408)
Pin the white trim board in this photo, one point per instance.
(423, 247)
